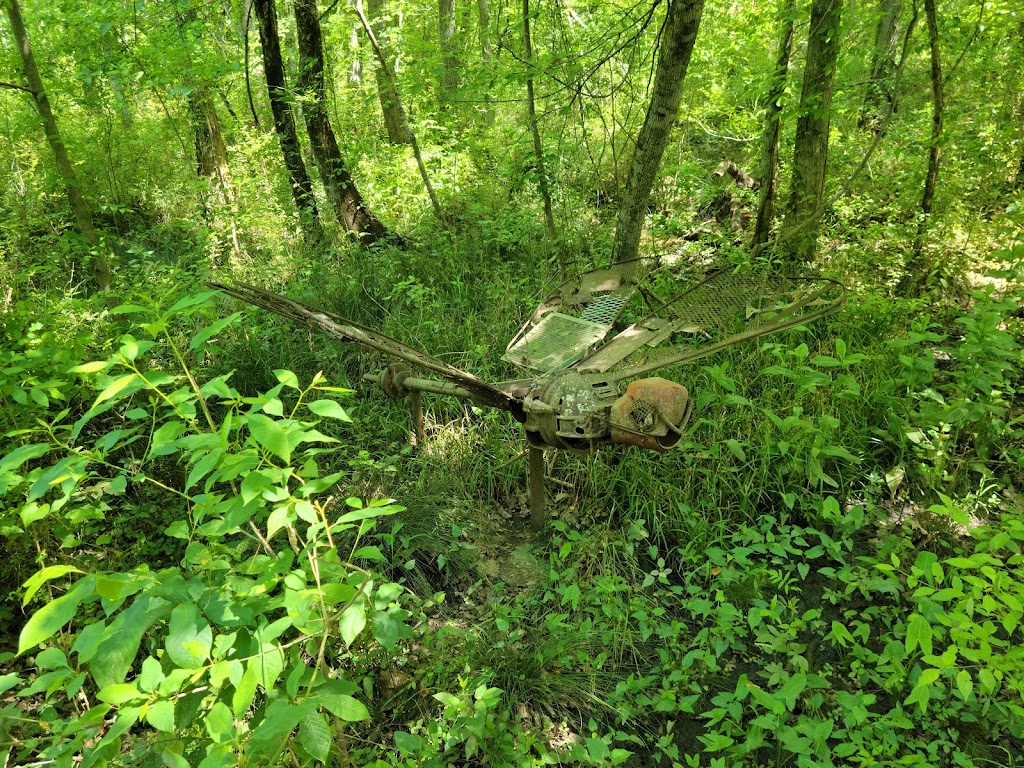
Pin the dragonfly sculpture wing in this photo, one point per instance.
(339, 327)
(577, 317)
(725, 309)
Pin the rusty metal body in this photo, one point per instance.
(576, 396)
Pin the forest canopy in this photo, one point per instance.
(225, 546)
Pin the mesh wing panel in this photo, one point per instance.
(725, 309)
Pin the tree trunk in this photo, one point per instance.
(483, 11)
(397, 133)
(389, 72)
(449, 83)
(284, 121)
(99, 263)
(678, 34)
(538, 149)
(810, 153)
(772, 130)
(913, 280)
(212, 156)
(880, 97)
(341, 189)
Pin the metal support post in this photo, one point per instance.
(537, 511)
(418, 431)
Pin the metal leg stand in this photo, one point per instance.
(418, 431)
(537, 512)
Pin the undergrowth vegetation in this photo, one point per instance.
(206, 562)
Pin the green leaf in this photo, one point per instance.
(386, 630)
(315, 737)
(51, 617)
(118, 693)
(161, 715)
(407, 743)
(37, 579)
(328, 409)
(245, 691)
(190, 301)
(268, 665)
(964, 684)
(270, 434)
(352, 621)
(736, 449)
(792, 690)
(343, 706)
(189, 637)
(8, 681)
(119, 644)
(219, 723)
(114, 388)
(212, 330)
(919, 633)
(93, 367)
(19, 456)
(287, 378)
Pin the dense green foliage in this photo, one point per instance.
(221, 549)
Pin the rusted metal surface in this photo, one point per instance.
(653, 413)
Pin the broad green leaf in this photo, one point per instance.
(70, 467)
(736, 449)
(119, 644)
(268, 665)
(51, 617)
(386, 630)
(94, 367)
(161, 715)
(270, 434)
(189, 637)
(38, 579)
(964, 684)
(212, 330)
(287, 378)
(19, 456)
(190, 301)
(919, 634)
(242, 698)
(328, 409)
(365, 514)
(8, 681)
(315, 736)
(219, 723)
(115, 387)
(352, 621)
(792, 690)
(342, 706)
(280, 717)
(118, 693)
(407, 743)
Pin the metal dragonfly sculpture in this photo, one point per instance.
(589, 384)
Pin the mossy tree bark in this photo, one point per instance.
(345, 199)
(212, 157)
(389, 72)
(99, 263)
(386, 92)
(538, 148)
(914, 281)
(678, 35)
(450, 64)
(284, 120)
(880, 96)
(773, 128)
(810, 151)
